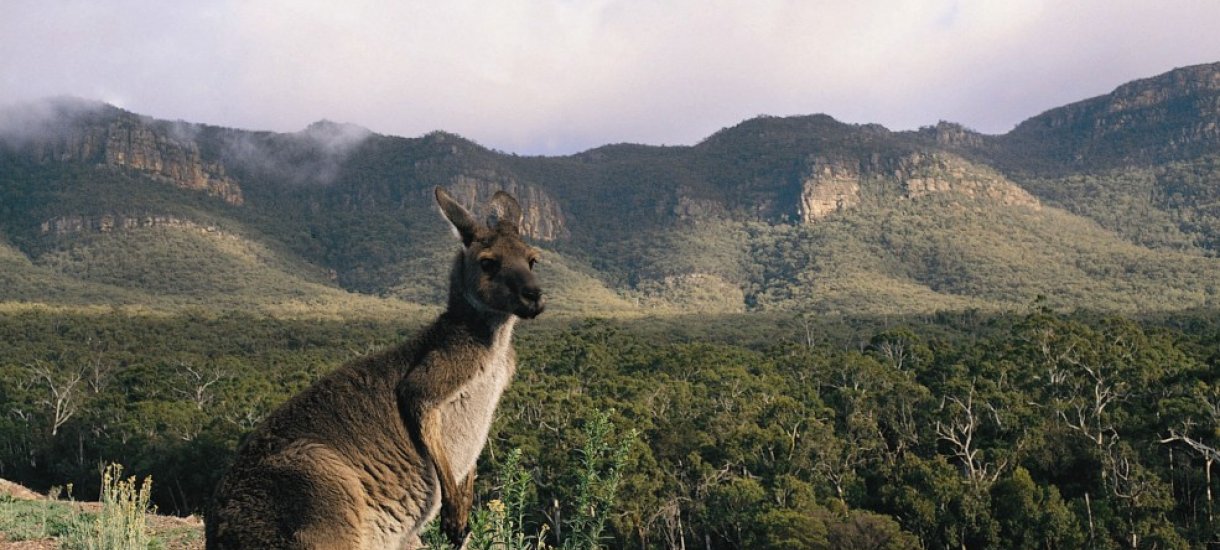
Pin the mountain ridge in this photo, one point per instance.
(678, 228)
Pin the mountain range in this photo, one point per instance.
(1111, 203)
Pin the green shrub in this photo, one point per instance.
(501, 523)
(120, 524)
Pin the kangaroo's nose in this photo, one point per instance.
(531, 293)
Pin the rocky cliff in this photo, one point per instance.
(544, 219)
(830, 187)
(834, 185)
(112, 137)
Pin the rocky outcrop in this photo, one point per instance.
(835, 185)
(128, 141)
(67, 225)
(544, 219)
(830, 187)
(951, 134)
(1185, 82)
(923, 174)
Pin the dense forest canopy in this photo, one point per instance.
(1034, 429)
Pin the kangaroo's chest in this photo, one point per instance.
(467, 417)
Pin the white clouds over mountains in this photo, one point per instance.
(552, 76)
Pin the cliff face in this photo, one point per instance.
(544, 219)
(1191, 83)
(1172, 116)
(830, 187)
(835, 185)
(128, 141)
(924, 174)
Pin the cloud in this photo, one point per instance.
(313, 156)
(555, 76)
(41, 120)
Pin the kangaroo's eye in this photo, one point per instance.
(489, 265)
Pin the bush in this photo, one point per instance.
(120, 524)
(501, 524)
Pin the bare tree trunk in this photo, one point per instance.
(1208, 469)
(681, 533)
(1088, 506)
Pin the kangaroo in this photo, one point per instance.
(367, 456)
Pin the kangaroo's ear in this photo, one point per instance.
(461, 219)
(504, 209)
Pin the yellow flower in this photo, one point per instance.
(496, 507)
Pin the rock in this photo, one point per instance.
(544, 220)
(831, 187)
(953, 135)
(126, 140)
(924, 174)
(834, 185)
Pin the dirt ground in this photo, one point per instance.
(178, 533)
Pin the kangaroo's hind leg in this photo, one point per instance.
(285, 518)
(303, 498)
(327, 506)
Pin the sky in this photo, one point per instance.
(556, 77)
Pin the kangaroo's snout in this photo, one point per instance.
(532, 302)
